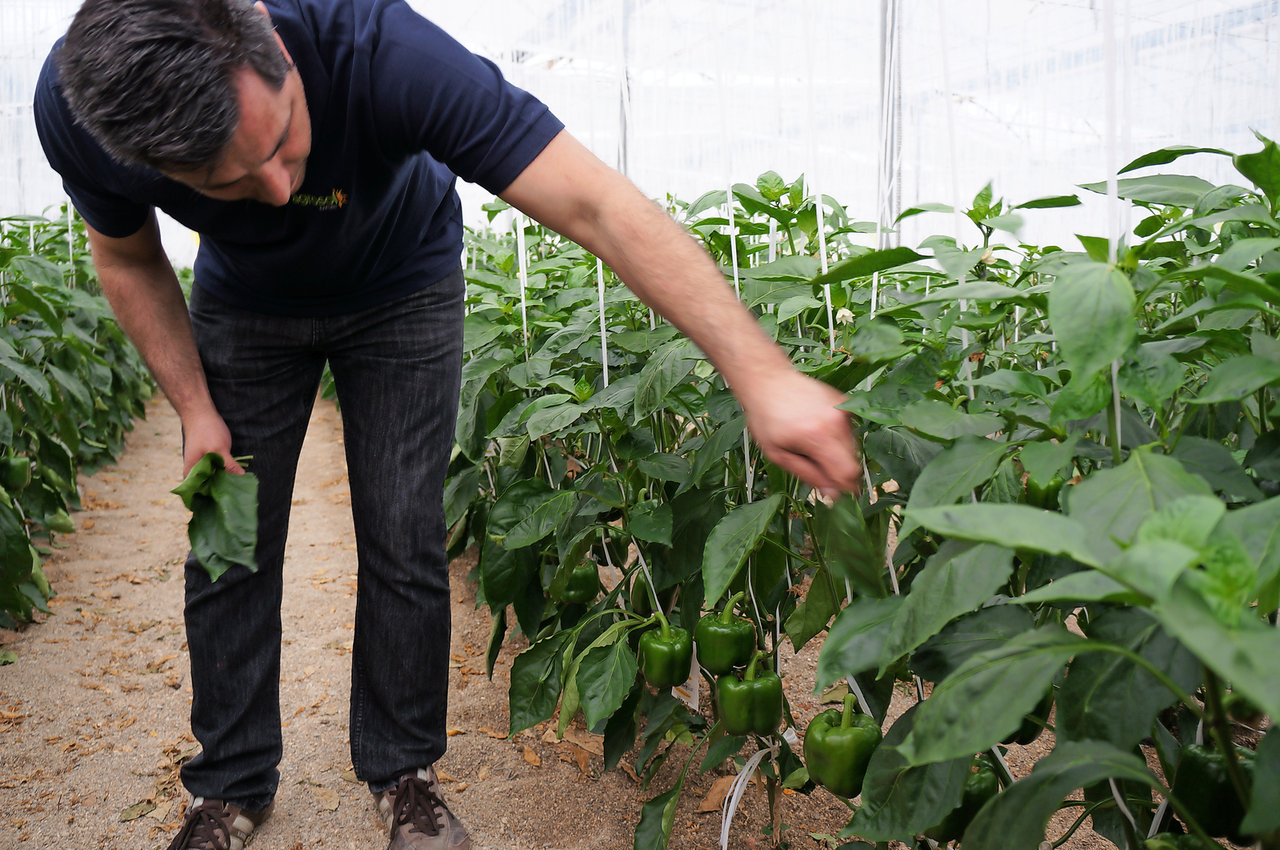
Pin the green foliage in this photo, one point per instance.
(982, 367)
(70, 388)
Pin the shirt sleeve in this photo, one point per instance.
(431, 93)
(86, 169)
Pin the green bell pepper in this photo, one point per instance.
(1203, 786)
(666, 655)
(584, 584)
(1045, 496)
(752, 704)
(642, 596)
(1030, 728)
(981, 785)
(837, 747)
(725, 641)
(60, 522)
(15, 473)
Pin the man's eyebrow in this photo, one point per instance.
(284, 137)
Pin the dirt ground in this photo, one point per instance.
(93, 715)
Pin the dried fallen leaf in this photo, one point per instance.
(581, 757)
(490, 732)
(549, 736)
(137, 810)
(328, 798)
(461, 786)
(445, 776)
(593, 744)
(714, 800)
(350, 775)
(630, 771)
(453, 730)
(532, 757)
(483, 773)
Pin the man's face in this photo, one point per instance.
(267, 156)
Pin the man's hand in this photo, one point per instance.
(795, 422)
(792, 417)
(206, 433)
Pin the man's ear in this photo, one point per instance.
(261, 7)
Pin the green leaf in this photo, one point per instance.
(856, 640)
(651, 521)
(605, 677)
(1086, 586)
(882, 403)
(504, 573)
(1243, 655)
(1173, 189)
(670, 365)
(550, 512)
(814, 611)
(535, 682)
(1236, 378)
(1263, 816)
(954, 473)
(985, 699)
(900, 453)
(877, 341)
(223, 529)
(1262, 168)
(1012, 382)
(733, 539)
(1151, 567)
(955, 581)
(852, 553)
(1108, 697)
(1013, 526)
(1258, 528)
(900, 800)
(1150, 375)
(868, 264)
(1091, 311)
(1214, 462)
(1016, 818)
(1112, 503)
(1082, 397)
(960, 640)
(725, 438)
(939, 419)
(657, 817)
(1167, 155)
(1044, 459)
(1050, 202)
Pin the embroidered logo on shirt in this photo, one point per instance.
(332, 201)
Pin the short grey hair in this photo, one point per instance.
(152, 80)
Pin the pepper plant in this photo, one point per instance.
(1072, 451)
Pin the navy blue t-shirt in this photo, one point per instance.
(397, 107)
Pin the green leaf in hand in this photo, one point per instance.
(224, 515)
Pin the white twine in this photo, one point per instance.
(524, 279)
(738, 788)
(1113, 198)
(813, 168)
(604, 338)
(71, 247)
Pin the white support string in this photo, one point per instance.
(813, 168)
(1113, 198)
(957, 216)
(71, 246)
(722, 97)
(738, 788)
(524, 279)
(604, 338)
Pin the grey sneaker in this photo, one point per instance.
(417, 818)
(214, 825)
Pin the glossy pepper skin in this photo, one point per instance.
(1030, 729)
(584, 584)
(752, 703)
(666, 654)
(15, 473)
(837, 747)
(1045, 496)
(1204, 787)
(725, 641)
(981, 785)
(642, 596)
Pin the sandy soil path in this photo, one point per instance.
(93, 716)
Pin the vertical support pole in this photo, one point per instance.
(604, 339)
(71, 246)
(524, 279)
(1113, 190)
(813, 168)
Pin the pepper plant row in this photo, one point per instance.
(71, 388)
(1074, 456)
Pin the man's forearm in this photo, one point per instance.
(149, 306)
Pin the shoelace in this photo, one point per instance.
(415, 805)
(204, 829)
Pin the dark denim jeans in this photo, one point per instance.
(397, 369)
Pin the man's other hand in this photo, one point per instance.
(203, 434)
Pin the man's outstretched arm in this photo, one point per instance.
(143, 291)
(791, 416)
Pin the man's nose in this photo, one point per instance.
(277, 183)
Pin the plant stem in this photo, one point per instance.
(1066, 836)
(1222, 732)
(1160, 675)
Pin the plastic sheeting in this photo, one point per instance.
(687, 95)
